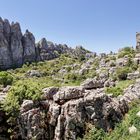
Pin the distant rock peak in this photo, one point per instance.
(17, 48)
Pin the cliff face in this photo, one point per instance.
(17, 48)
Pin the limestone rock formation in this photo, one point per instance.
(28, 41)
(17, 49)
(5, 52)
(132, 92)
(138, 41)
(63, 113)
(16, 45)
(93, 83)
(133, 75)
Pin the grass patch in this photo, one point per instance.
(118, 89)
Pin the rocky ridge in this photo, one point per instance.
(17, 48)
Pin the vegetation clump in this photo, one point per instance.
(129, 51)
(121, 73)
(5, 78)
(119, 88)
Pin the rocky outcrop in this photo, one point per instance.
(5, 52)
(137, 58)
(122, 61)
(132, 92)
(133, 75)
(3, 93)
(33, 73)
(17, 49)
(29, 47)
(138, 41)
(93, 83)
(63, 112)
(16, 45)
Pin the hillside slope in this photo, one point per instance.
(60, 93)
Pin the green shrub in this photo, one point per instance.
(112, 58)
(81, 58)
(121, 73)
(71, 76)
(129, 51)
(112, 64)
(134, 67)
(91, 74)
(16, 96)
(95, 134)
(68, 69)
(5, 78)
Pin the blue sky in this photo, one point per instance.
(98, 25)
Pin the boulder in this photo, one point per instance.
(102, 55)
(93, 84)
(109, 83)
(133, 75)
(102, 63)
(122, 61)
(112, 70)
(132, 129)
(137, 59)
(83, 70)
(132, 92)
(26, 105)
(68, 93)
(33, 73)
(49, 92)
(138, 114)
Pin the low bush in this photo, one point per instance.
(5, 78)
(129, 51)
(95, 134)
(16, 96)
(121, 73)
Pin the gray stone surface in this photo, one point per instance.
(28, 41)
(49, 119)
(93, 83)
